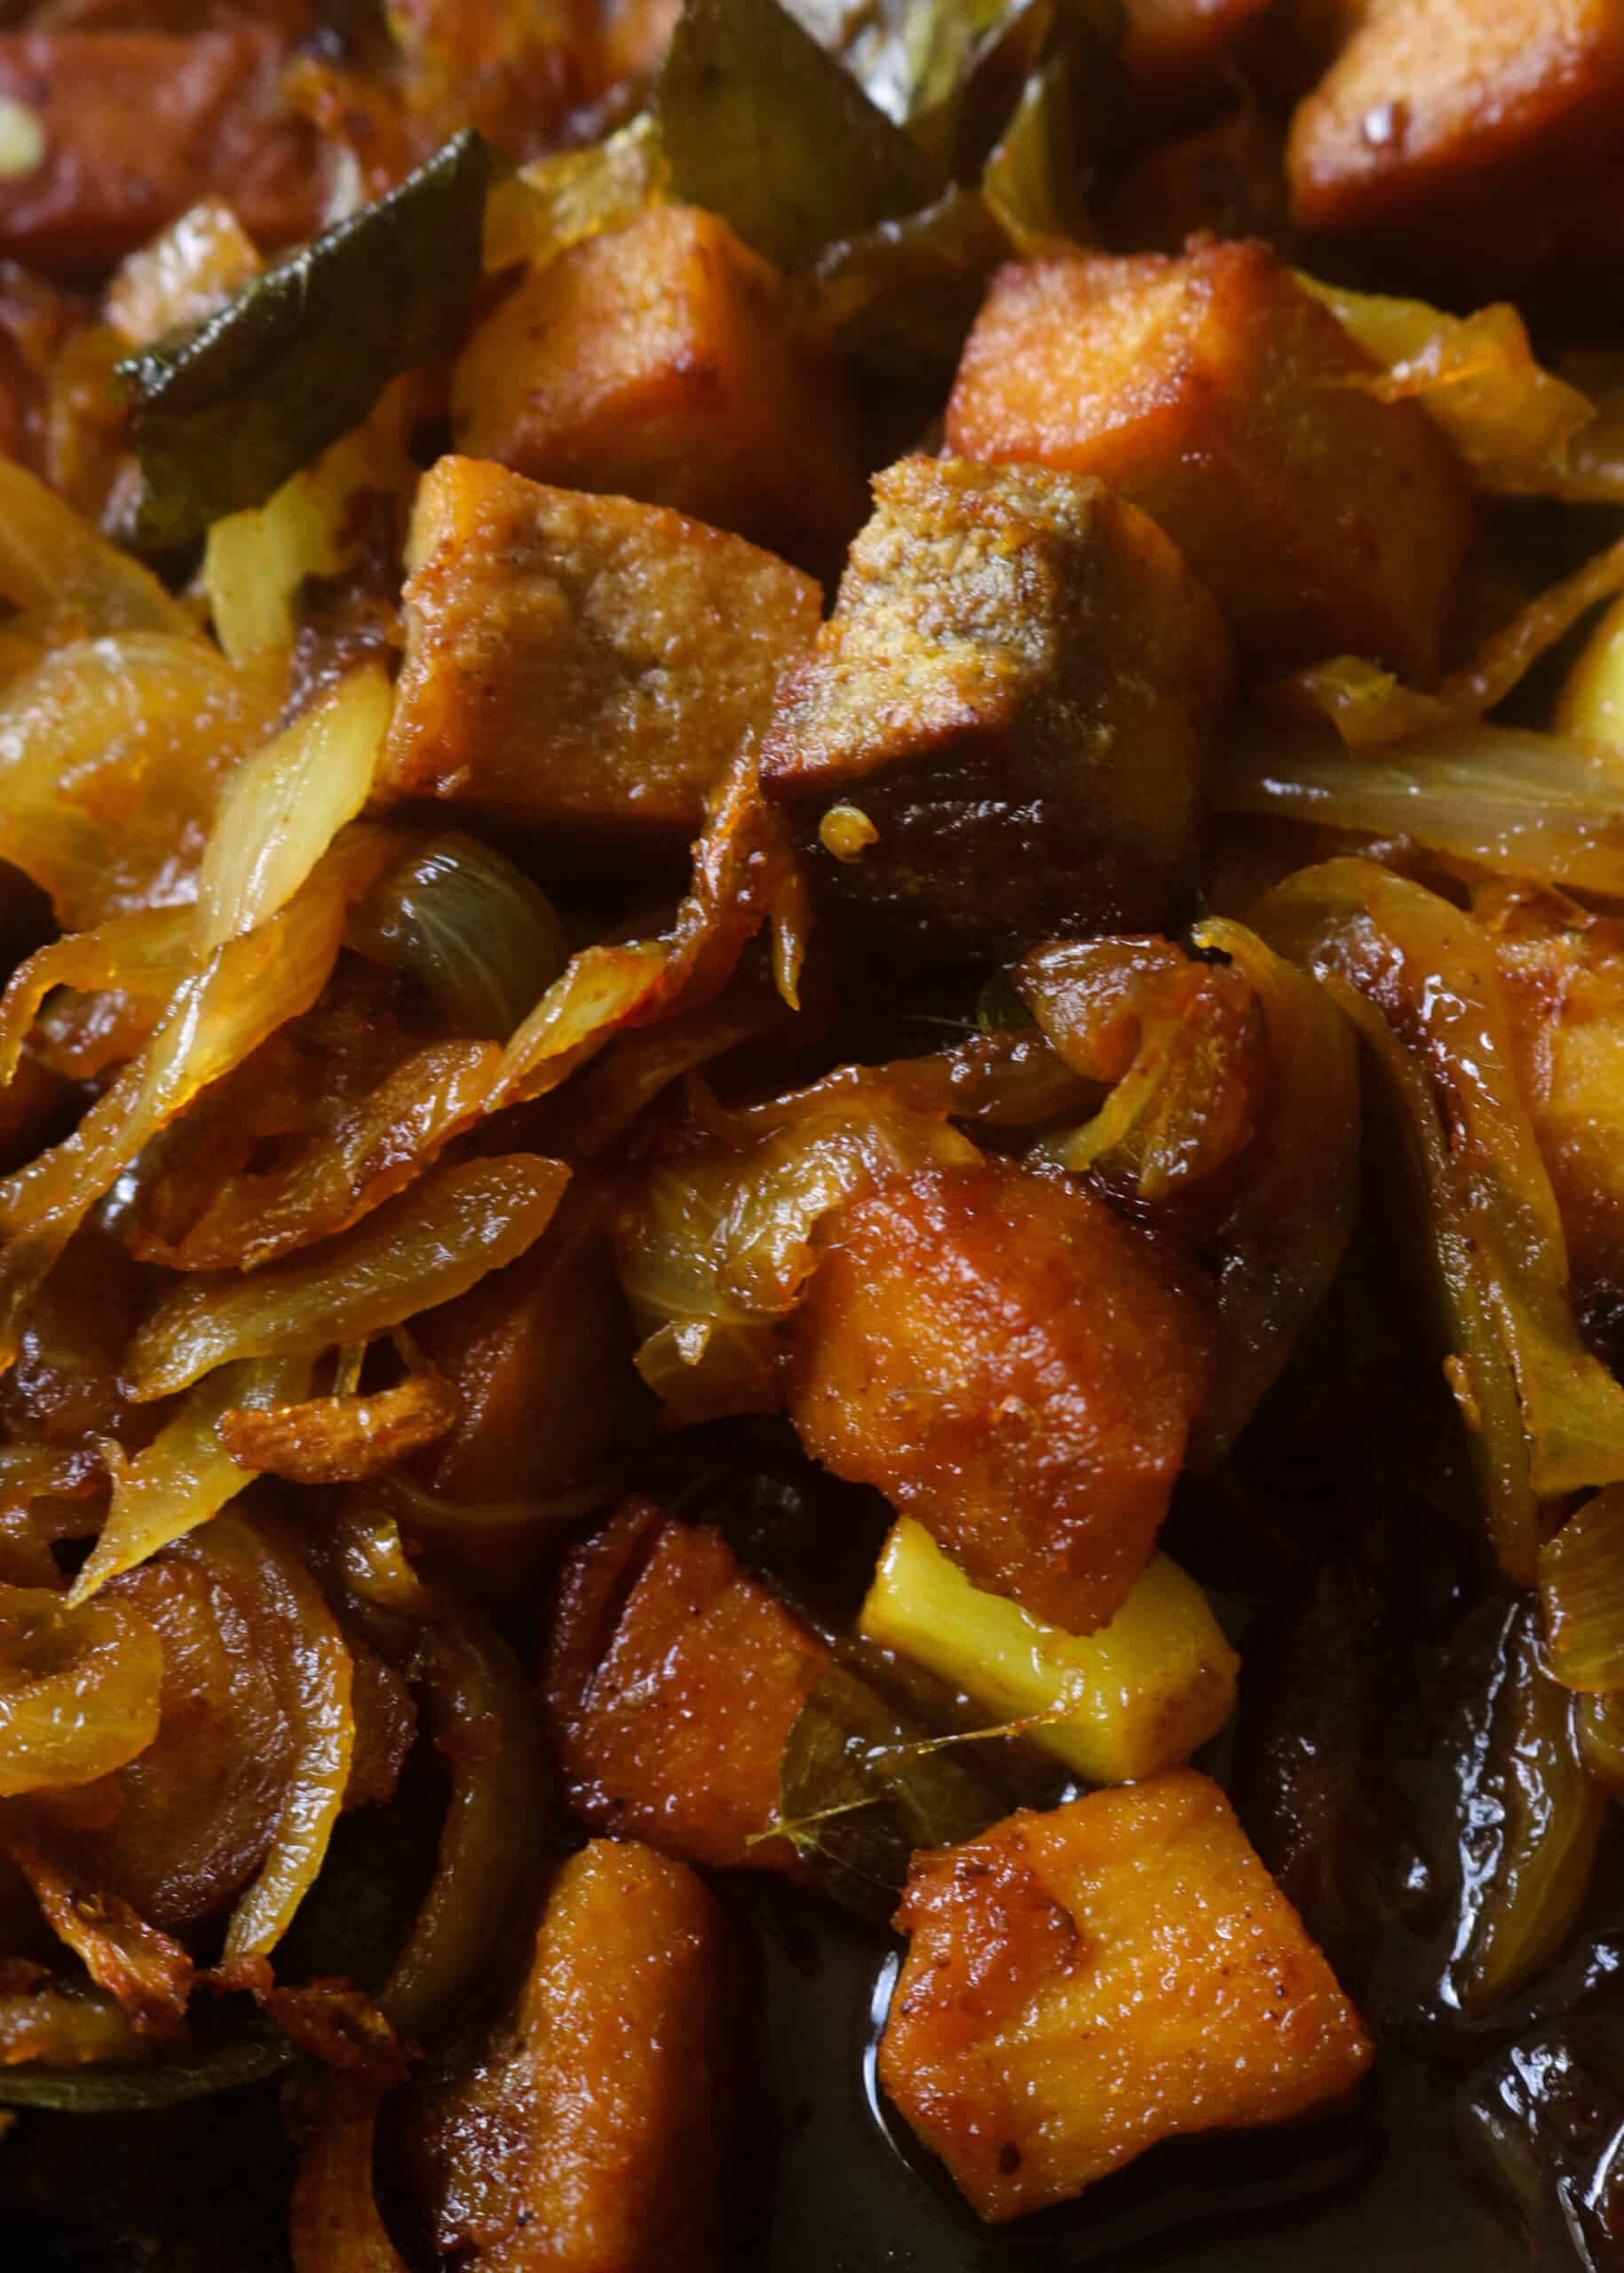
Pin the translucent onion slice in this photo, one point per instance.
(79, 1690)
(315, 1681)
(214, 1021)
(376, 1148)
(433, 1242)
(1533, 1821)
(1370, 706)
(49, 2022)
(334, 2222)
(1581, 1585)
(282, 808)
(1522, 805)
(145, 955)
(185, 1476)
(150, 1975)
(113, 753)
(744, 875)
(1418, 976)
(341, 1439)
(485, 1721)
(60, 570)
(1474, 376)
(1283, 1241)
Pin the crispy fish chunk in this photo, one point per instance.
(662, 360)
(585, 2131)
(1016, 689)
(673, 1680)
(1477, 134)
(1082, 1983)
(136, 126)
(581, 661)
(1013, 1367)
(1225, 400)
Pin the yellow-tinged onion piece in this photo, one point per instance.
(433, 1242)
(145, 955)
(215, 1019)
(80, 1690)
(1581, 1585)
(113, 753)
(283, 807)
(65, 578)
(341, 1439)
(485, 1721)
(185, 1476)
(316, 1694)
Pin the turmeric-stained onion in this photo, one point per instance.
(79, 1690)
(341, 1439)
(483, 1718)
(186, 1475)
(314, 1676)
(433, 1242)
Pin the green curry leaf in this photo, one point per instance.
(763, 126)
(226, 414)
(862, 1785)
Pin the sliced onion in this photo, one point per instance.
(375, 1147)
(1474, 376)
(1523, 805)
(49, 2021)
(485, 1721)
(744, 875)
(60, 570)
(80, 1690)
(341, 1439)
(144, 955)
(150, 1975)
(468, 927)
(185, 1476)
(1418, 976)
(315, 1682)
(1581, 1583)
(215, 1020)
(283, 809)
(433, 1242)
(1283, 1240)
(113, 753)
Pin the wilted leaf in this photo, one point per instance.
(764, 127)
(226, 415)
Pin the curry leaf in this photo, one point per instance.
(863, 1784)
(763, 126)
(226, 414)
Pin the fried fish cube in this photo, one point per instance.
(673, 1681)
(1084, 1983)
(1174, 50)
(589, 2121)
(1220, 396)
(661, 360)
(574, 659)
(1016, 690)
(133, 127)
(1471, 134)
(1015, 1368)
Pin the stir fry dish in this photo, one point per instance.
(812, 1134)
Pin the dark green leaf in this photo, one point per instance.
(863, 1785)
(1038, 176)
(226, 415)
(908, 290)
(764, 127)
(250, 2059)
